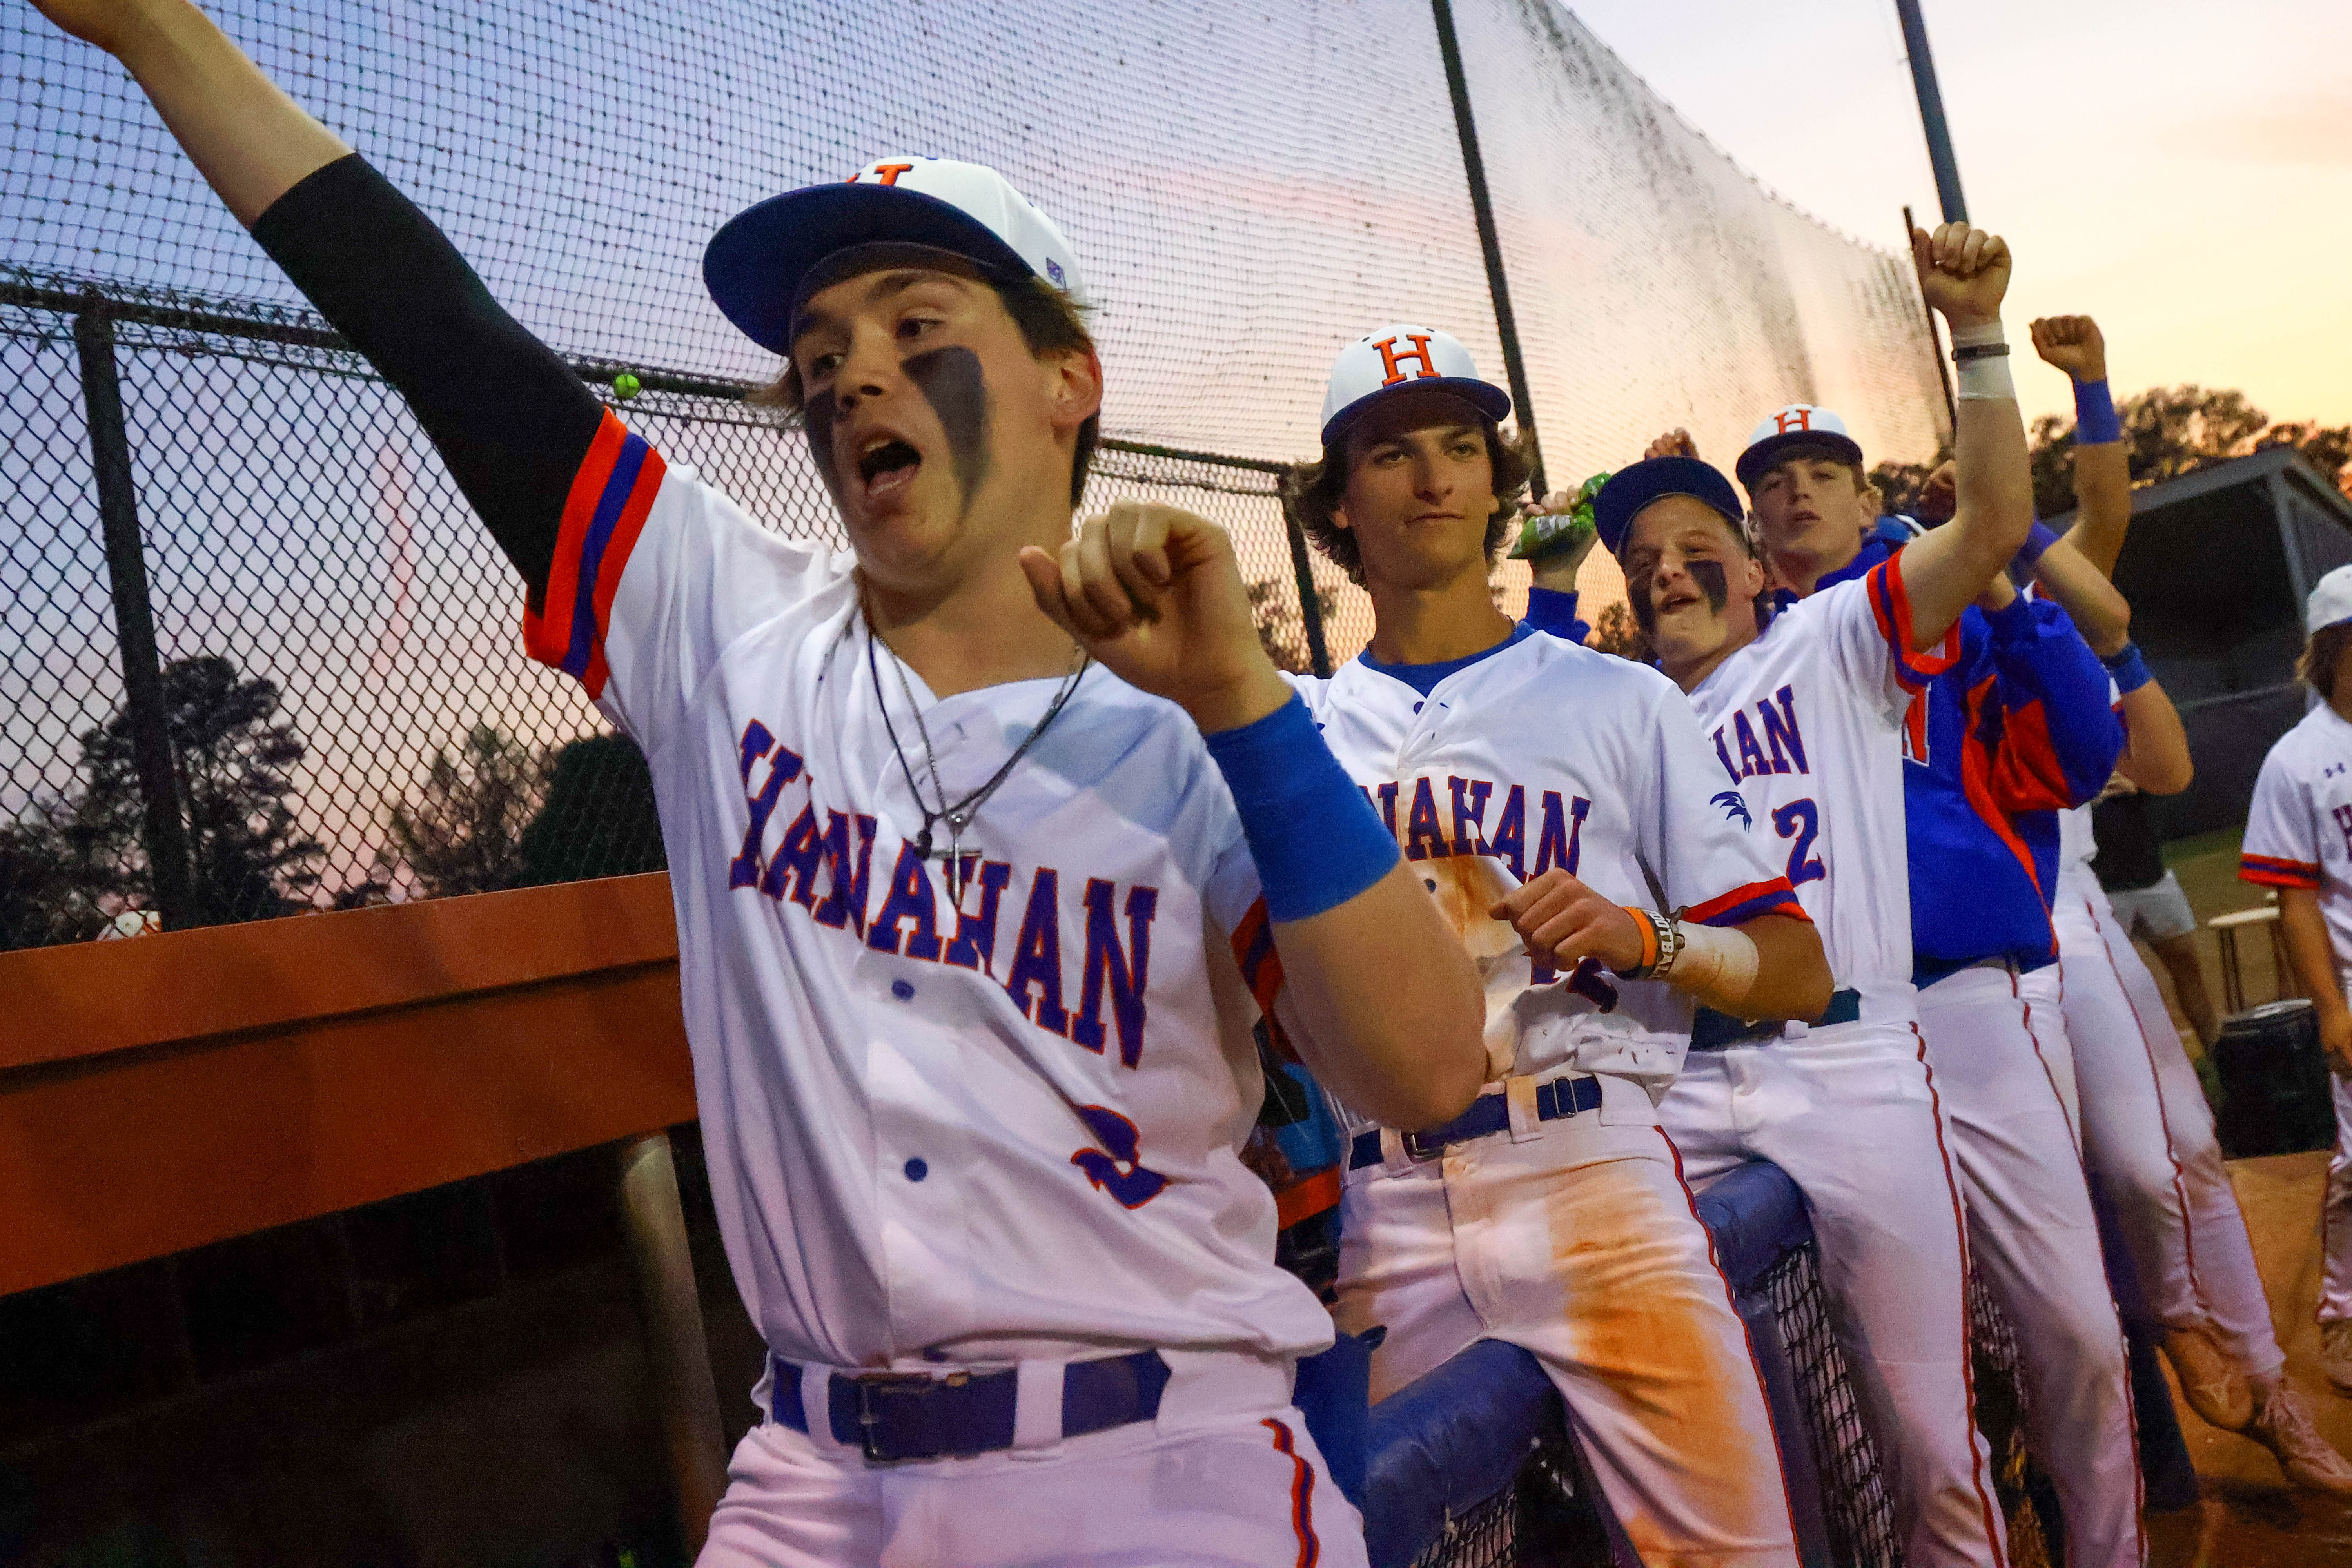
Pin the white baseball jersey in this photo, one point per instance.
(2299, 827)
(997, 1129)
(1542, 754)
(1806, 721)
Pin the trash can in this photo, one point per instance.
(2276, 1094)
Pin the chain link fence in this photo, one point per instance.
(259, 658)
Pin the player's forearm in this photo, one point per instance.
(1993, 512)
(251, 142)
(1388, 1003)
(2156, 744)
(2100, 613)
(2308, 951)
(1792, 978)
(2103, 506)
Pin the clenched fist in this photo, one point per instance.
(1963, 272)
(1153, 593)
(1675, 443)
(2072, 343)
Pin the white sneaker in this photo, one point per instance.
(2283, 1425)
(2336, 1353)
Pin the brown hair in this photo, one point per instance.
(1050, 323)
(2321, 655)
(1311, 493)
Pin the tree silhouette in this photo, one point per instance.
(463, 832)
(598, 819)
(49, 888)
(67, 865)
(2169, 431)
(1279, 629)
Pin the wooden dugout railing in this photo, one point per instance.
(165, 1092)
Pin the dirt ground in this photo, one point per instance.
(2249, 1518)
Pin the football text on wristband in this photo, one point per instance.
(2095, 424)
(1310, 829)
(2129, 670)
(2028, 555)
(1980, 355)
(1717, 964)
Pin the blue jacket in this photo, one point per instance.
(2018, 728)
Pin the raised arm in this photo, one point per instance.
(509, 418)
(1389, 1003)
(2103, 509)
(2156, 744)
(1964, 273)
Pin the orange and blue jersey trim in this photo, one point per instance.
(1744, 904)
(1890, 604)
(1260, 967)
(2272, 872)
(611, 495)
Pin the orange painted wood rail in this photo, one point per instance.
(170, 1090)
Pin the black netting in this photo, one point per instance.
(1246, 187)
(1853, 1489)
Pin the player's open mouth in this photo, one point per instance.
(888, 464)
(1673, 602)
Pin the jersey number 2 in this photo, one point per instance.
(1800, 820)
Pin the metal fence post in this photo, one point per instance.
(1490, 245)
(1310, 606)
(134, 618)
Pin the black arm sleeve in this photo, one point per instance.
(509, 418)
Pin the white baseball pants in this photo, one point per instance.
(2336, 1217)
(1242, 1492)
(1577, 1240)
(1851, 1112)
(1998, 1050)
(2148, 1132)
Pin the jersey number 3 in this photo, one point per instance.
(1800, 820)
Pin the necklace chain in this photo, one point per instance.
(957, 814)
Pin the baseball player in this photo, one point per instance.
(969, 927)
(1804, 716)
(2299, 841)
(1565, 811)
(2148, 1129)
(2017, 729)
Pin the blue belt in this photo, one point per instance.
(1487, 1115)
(895, 1415)
(1713, 1031)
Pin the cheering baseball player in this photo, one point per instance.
(2015, 729)
(980, 837)
(2299, 841)
(1803, 713)
(1567, 814)
(2148, 1129)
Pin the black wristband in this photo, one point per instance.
(1979, 351)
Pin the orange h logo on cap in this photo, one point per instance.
(884, 173)
(1793, 419)
(1390, 359)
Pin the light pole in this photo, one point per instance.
(1931, 113)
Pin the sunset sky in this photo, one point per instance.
(2183, 172)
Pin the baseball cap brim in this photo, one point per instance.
(1485, 397)
(1755, 462)
(756, 264)
(1630, 489)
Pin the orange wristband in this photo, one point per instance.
(1648, 929)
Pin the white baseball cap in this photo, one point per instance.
(1798, 425)
(2330, 602)
(1404, 358)
(758, 265)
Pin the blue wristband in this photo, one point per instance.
(2028, 555)
(1553, 610)
(2128, 667)
(1310, 829)
(2095, 424)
